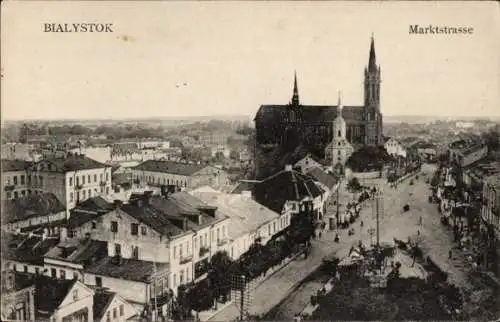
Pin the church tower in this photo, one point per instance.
(339, 125)
(373, 117)
(295, 96)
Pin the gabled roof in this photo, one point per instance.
(102, 300)
(14, 165)
(49, 292)
(70, 163)
(127, 269)
(30, 206)
(183, 169)
(321, 176)
(286, 185)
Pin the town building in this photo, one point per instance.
(288, 192)
(466, 151)
(395, 148)
(19, 151)
(109, 306)
(307, 163)
(35, 211)
(182, 175)
(71, 178)
(310, 125)
(18, 300)
(329, 183)
(339, 149)
(14, 179)
(249, 220)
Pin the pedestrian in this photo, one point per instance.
(361, 224)
(449, 254)
(319, 234)
(418, 232)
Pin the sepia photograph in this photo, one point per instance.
(250, 161)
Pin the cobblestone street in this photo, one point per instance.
(394, 223)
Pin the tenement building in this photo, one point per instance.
(294, 124)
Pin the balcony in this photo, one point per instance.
(222, 242)
(185, 259)
(204, 250)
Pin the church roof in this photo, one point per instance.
(310, 113)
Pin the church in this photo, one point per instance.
(315, 126)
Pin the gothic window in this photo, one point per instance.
(292, 116)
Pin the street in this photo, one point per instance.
(394, 223)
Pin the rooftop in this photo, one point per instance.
(102, 299)
(244, 185)
(89, 210)
(183, 169)
(245, 213)
(321, 176)
(72, 162)
(80, 252)
(30, 206)
(14, 165)
(26, 248)
(127, 269)
(286, 185)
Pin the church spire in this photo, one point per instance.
(339, 105)
(295, 97)
(372, 62)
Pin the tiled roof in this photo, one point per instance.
(246, 214)
(70, 163)
(183, 169)
(128, 269)
(31, 206)
(323, 177)
(274, 191)
(27, 249)
(310, 113)
(81, 252)
(14, 165)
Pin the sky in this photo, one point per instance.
(173, 59)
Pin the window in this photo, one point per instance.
(77, 181)
(108, 316)
(118, 250)
(22, 179)
(181, 277)
(62, 274)
(121, 310)
(94, 225)
(88, 178)
(37, 271)
(180, 251)
(175, 251)
(75, 275)
(84, 194)
(135, 252)
(100, 176)
(70, 181)
(23, 193)
(83, 179)
(98, 281)
(90, 193)
(53, 272)
(274, 226)
(114, 313)
(134, 229)
(269, 229)
(25, 268)
(75, 295)
(70, 197)
(95, 177)
(107, 190)
(114, 226)
(41, 181)
(107, 176)
(16, 194)
(143, 230)
(15, 179)
(29, 179)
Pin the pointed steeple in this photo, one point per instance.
(339, 105)
(295, 97)
(372, 62)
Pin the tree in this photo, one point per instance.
(220, 273)
(354, 184)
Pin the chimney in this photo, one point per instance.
(288, 167)
(200, 220)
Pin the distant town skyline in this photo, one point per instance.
(174, 60)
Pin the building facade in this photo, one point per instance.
(295, 124)
(339, 149)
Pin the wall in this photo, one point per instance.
(21, 300)
(130, 290)
(128, 311)
(19, 188)
(69, 306)
(209, 176)
(35, 221)
(161, 178)
(70, 269)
